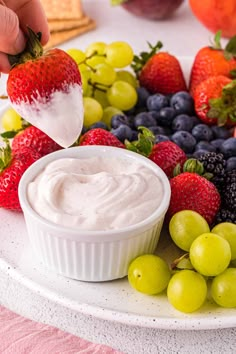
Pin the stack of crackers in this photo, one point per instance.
(66, 20)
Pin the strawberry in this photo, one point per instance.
(99, 136)
(215, 101)
(45, 89)
(213, 61)
(34, 138)
(159, 72)
(166, 154)
(12, 167)
(193, 192)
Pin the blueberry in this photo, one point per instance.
(185, 140)
(130, 119)
(84, 130)
(143, 95)
(205, 145)
(157, 102)
(159, 130)
(182, 122)
(217, 144)
(99, 124)
(228, 148)
(145, 119)
(131, 111)
(134, 135)
(231, 163)
(154, 114)
(220, 132)
(123, 132)
(198, 153)
(202, 132)
(166, 116)
(160, 137)
(182, 102)
(119, 119)
(196, 120)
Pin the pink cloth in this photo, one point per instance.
(19, 335)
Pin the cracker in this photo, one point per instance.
(60, 37)
(63, 25)
(60, 10)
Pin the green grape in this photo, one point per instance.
(149, 274)
(233, 263)
(96, 48)
(228, 231)
(210, 254)
(77, 55)
(187, 291)
(223, 288)
(108, 113)
(185, 226)
(84, 68)
(103, 74)
(101, 97)
(11, 120)
(95, 60)
(125, 75)
(92, 111)
(119, 54)
(84, 80)
(85, 73)
(122, 95)
(89, 91)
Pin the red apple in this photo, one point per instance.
(150, 9)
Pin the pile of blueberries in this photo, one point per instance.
(172, 117)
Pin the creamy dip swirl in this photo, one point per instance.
(95, 193)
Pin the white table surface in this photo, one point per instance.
(183, 35)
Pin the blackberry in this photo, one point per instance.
(228, 193)
(230, 177)
(225, 215)
(214, 163)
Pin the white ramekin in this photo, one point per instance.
(91, 255)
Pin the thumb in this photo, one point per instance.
(12, 40)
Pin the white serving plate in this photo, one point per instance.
(31, 290)
(112, 301)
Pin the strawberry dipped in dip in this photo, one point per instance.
(45, 89)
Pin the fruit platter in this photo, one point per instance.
(182, 120)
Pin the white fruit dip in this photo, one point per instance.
(96, 193)
(61, 118)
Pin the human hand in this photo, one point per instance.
(15, 16)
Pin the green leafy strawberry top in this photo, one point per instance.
(5, 155)
(230, 48)
(32, 50)
(140, 60)
(224, 107)
(144, 144)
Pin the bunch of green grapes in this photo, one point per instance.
(211, 254)
(108, 87)
(209, 263)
